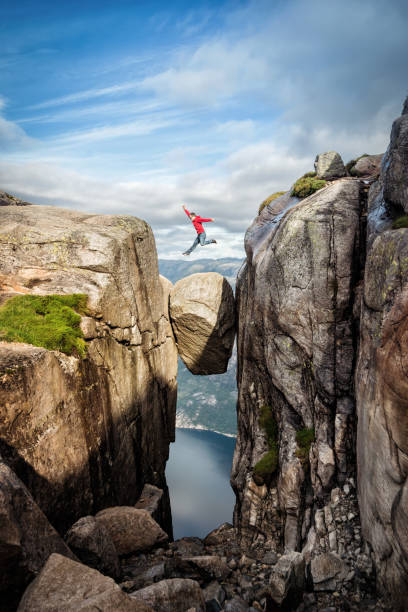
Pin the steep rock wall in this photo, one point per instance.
(84, 434)
(382, 374)
(295, 354)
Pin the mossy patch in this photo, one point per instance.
(306, 185)
(50, 321)
(304, 439)
(271, 198)
(401, 222)
(268, 464)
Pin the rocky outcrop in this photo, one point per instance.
(382, 376)
(106, 420)
(26, 538)
(203, 318)
(9, 200)
(295, 360)
(322, 309)
(395, 175)
(70, 586)
(329, 166)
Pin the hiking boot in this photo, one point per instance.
(185, 253)
(214, 241)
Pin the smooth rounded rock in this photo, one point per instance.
(202, 313)
(132, 530)
(172, 595)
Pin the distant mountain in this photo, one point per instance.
(206, 402)
(174, 269)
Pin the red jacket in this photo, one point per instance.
(197, 222)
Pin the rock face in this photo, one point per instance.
(395, 165)
(107, 420)
(295, 355)
(322, 331)
(67, 585)
(329, 166)
(203, 317)
(26, 538)
(382, 378)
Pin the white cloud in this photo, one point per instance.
(87, 94)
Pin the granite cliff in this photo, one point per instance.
(322, 304)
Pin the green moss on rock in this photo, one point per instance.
(401, 222)
(271, 198)
(304, 439)
(350, 165)
(306, 185)
(268, 464)
(50, 321)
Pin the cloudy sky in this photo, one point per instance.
(135, 107)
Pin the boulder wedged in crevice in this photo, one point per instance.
(202, 312)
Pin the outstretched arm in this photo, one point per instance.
(185, 210)
(204, 220)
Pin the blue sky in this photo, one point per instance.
(136, 107)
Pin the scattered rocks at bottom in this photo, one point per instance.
(67, 585)
(173, 595)
(287, 581)
(90, 540)
(214, 591)
(329, 165)
(236, 605)
(26, 538)
(131, 529)
(327, 571)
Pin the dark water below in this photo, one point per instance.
(198, 473)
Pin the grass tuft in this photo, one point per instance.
(268, 464)
(271, 198)
(401, 222)
(304, 439)
(306, 185)
(50, 321)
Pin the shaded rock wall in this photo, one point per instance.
(382, 375)
(84, 434)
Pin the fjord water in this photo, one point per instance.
(198, 473)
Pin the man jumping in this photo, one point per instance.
(197, 222)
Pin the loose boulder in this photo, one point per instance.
(90, 540)
(70, 586)
(367, 165)
(176, 595)
(202, 314)
(287, 581)
(26, 538)
(329, 165)
(132, 530)
(328, 571)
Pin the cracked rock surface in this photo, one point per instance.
(79, 431)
